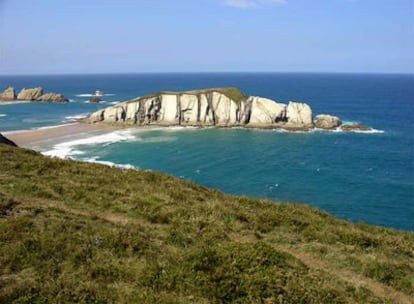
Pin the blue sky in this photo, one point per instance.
(108, 36)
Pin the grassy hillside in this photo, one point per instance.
(232, 93)
(87, 233)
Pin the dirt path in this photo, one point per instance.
(378, 289)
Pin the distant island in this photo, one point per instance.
(217, 107)
(31, 94)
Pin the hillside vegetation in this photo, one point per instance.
(231, 92)
(73, 232)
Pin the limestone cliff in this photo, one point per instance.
(222, 107)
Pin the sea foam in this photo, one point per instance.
(108, 163)
(370, 131)
(54, 126)
(91, 95)
(76, 117)
(66, 149)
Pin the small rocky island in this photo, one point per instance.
(32, 94)
(217, 107)
(95, 99)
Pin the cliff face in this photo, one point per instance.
(212, 107)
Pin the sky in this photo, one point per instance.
(141, 36)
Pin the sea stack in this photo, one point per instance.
(52, 97)
(31, 94)
(219, 107)
(328, 122)
(8, 94)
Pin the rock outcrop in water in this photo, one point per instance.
(53, 97)
(8, 94)
(32, 94)
(219, 107)
(95, 99)
(356, 127)
(328, 122)
(222, 107)
(36, 94)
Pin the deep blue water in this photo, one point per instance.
(357, 176)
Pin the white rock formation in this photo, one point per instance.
(299, 115)
(265, 111)
(324, 121)
(211, 107)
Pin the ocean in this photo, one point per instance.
(363, 177)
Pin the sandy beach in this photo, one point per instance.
(36, 137)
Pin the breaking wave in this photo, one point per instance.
(91, 95)
(76, 117)
(67, 149)
(108, 163)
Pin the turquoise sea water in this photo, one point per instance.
(357, 176)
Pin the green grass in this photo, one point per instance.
(73, 232)
(232, 93)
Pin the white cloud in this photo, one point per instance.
(274, 1)
(246, 4)
(240, 3)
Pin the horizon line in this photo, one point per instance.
(202, 72)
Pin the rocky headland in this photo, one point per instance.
(217, 107)
(31, 94)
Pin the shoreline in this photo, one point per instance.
(8, 102)
(54, 134)
(32, 138)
